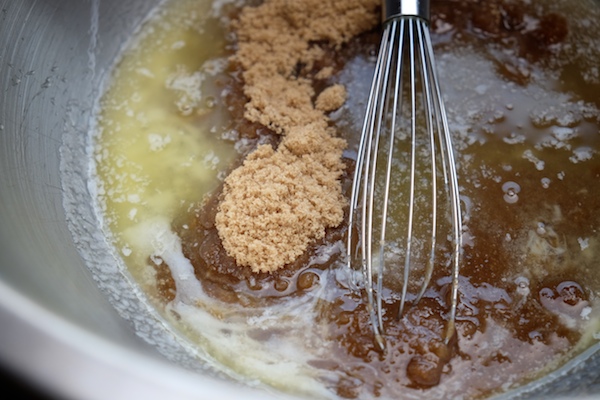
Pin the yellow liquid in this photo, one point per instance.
(165, 140)
(160, 126)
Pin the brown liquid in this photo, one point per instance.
(526, 277)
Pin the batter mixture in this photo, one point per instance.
(224, 160)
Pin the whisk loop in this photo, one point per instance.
(405, 151)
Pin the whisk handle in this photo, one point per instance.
(405, 8)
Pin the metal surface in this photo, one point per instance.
(414, 8)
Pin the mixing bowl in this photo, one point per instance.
(71, 323)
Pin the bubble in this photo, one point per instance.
(547, 293)
(211, 102)
(545, 183)
(514, 138)
(126, 251)
(307, 280)
(570, 292)
(581, 154)
(522, 286)
(281, 285)
(541, 229)
(522, 282)
(535, 335)
(539, 164)
(511, 192)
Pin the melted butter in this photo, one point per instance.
(528, 165)
(161, 127)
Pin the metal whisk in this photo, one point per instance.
(405, 190)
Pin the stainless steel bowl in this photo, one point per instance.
(70, 321)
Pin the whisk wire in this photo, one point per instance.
(411, 200)
(430, 111)
(380, 101)
(451, 178)
(372, 122)
(395, 99)
(449, 173)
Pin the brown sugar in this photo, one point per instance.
(281, 199)
(276, 38)
(331, 98)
